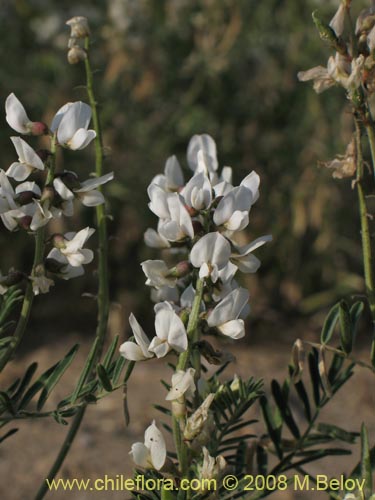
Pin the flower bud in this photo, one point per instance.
(58, 241)
(79, 27)
(178, 408)
(38, 128)
(76, 54)
(183, 268)
(196, 421)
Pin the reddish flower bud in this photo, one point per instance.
(38, 128)
(58, 241)
(183, 268)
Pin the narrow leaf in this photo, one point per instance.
(103, 377)
(346, 333)
(329, 324)
(55, 376)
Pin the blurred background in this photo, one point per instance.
(168, 69)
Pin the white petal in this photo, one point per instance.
(212, 248)
(19, 171)
(155, 442)
(77, 116)
(141, 455)
(159, 347)
(229, 308)
(94, 183)
(234, 329)
(173, 174)
(207, 145)
(155, 240)
(62, 190)
(26, 154)
(140, 336)
(59, 116)
(131, 351)
(81, 139)
(16, 115)
(92, 198)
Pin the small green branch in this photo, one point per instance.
(365, 228)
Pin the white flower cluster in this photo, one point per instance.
(30, 196)
(199, 220)
(346, 69)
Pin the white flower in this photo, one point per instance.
(86, 193)
(243, 258)
(338, 21)
(196, 422)
(182, 384)
(210, 254)
(211, 467)
(71, 123)
(28, 160)
(170, 334)
(158, 274)
(72, 248)
(177, 225)
(225, 315)
(19, 121)
(138, 350)
(71, 254)
(173, 178)
(322, 80)
(152, 453)
(40, 282)
(198, 192)
(208, 157)
(232, 212)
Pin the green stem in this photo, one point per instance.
(192, 330)
(62, 453)
(101, 218)
(103, 273)
(194, 356)
(365, 230)
(29, 295)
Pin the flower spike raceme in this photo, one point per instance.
(196, 293)
(33, 193)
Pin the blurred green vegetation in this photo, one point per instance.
(168, 69)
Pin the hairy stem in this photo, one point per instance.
(29, 295)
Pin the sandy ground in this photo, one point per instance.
(102, 446)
